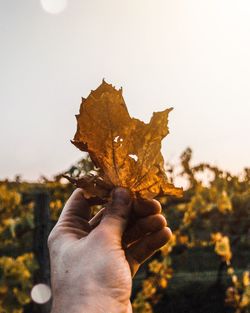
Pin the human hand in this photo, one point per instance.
(93, 260)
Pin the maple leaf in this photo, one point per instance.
(126, 151)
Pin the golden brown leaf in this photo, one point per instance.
(126, 150)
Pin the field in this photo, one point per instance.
(205, 267)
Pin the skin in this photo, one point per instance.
(94, 260)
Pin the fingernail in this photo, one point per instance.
(122, 195)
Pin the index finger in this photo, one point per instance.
(77, 207)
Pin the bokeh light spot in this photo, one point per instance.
(54, 6)
(41, 293)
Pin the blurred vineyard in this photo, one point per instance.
(205, 267)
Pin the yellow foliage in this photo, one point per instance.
(189, 215)
(234, 279)
(22, 297)
(17, 270)
(155, 266)
(9, 198)
(216, 237)
(245, 301)
(223, 249)
(148, 288)
(163, 282)
(140, 305)
(222, 246)
(230, 270)
(224, 202)
(167, 248)
(246, 279)
(56, 204)
(182, 239)
(3, 289)
(55, 208)
(8, 222)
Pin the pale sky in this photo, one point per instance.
(193, 55)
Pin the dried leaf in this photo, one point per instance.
(126, 150)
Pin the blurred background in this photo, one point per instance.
(191, 55)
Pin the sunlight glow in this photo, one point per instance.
(54, 6)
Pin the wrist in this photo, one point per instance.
(94, 304)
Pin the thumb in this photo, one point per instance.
(118, 211)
